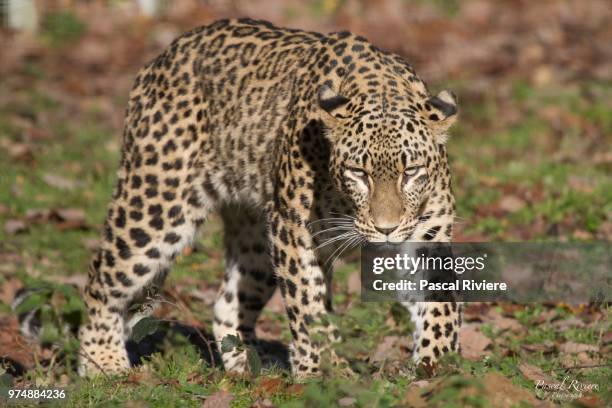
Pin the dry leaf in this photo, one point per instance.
(501, 392)
(511, 203)
(295, 389)
(572, 322)
(269, 386)
(60, 182)
(575, 348)
(533, 373)
(544, 347)
(420, 383)
(263, 403)
(207, 296)
(13, 227)
(390, 347)
(473, 342)
(69, 214)
(347, 402)
(354, 283)
(220, 399)
(502, 322)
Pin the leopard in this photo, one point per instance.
(306, 145)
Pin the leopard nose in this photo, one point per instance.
(386, 231)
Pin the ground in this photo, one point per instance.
(531, 159)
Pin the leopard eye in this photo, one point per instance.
(357, 174)
(412, 171)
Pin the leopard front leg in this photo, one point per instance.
(437, 324)
(304, 290)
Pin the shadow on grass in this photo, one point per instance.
(272, 353)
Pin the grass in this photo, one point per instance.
(488, 165)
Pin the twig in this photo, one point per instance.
(84, 354)
(580, 367)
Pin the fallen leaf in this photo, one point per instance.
(496, 389)
(347, 401)
(533, 373)
(13, 227)
(220, 399)
(263, 403)
(511, 203)
(61, 182)
(8, 289)
(207, 296)
(575, 348)
(354, 283)
(269, 386)
(69, 214)
(502, 322)
(474, 312)
(501, 392)
(420, 383)
(390, 347)
(295, 389)
(572, 322)
(545, 347)
(577, 360)
(68, 219)
(90, 243)
(581, 183)
(473, 342)
(590, 401)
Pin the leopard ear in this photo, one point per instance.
(331, 102)
(441, 111)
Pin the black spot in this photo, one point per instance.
(140, 238)
(293, 270)
(431, 233)
(120, 220)
(140, 269)
(168, 195)
(151, 179)
(172, 238)
(446, 310)
(136, 202)
(153, 253)
(155, 210)
(291, 287)
(135, 215)
(157, 223)
(124, 249)
(109, 258)
(125, 281)
(136, 182)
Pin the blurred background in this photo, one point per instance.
(531, 156)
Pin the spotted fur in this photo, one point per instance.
(307, 144)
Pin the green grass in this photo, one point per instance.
(516, 159)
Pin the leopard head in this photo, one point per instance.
(389, 157)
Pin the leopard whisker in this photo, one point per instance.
(339, 227)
